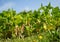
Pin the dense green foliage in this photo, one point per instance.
(45, 21)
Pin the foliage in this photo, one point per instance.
(44, 21)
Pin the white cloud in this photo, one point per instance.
(6, 6)
(27, 8)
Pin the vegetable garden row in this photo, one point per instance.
(45, 21)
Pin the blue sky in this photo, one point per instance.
(20, 5)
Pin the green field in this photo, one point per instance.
(41, 25)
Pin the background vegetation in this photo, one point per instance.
(42, 25)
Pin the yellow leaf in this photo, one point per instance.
(45, 27)
(40, 37)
